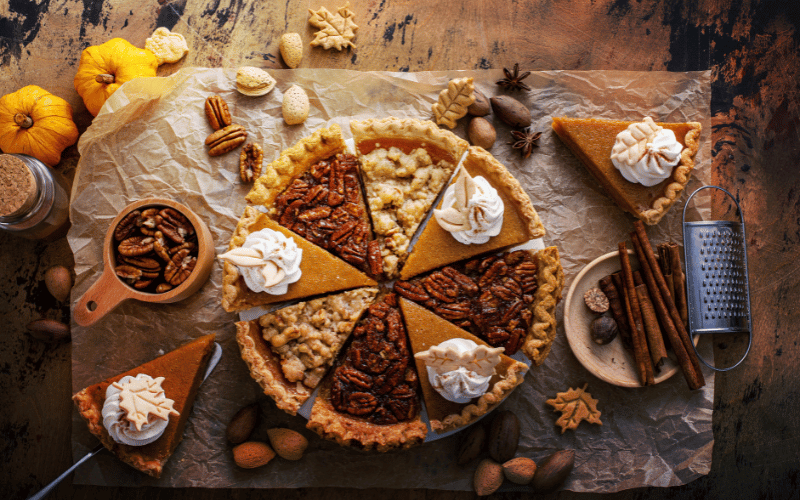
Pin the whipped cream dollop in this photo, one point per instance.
(136, 410)
(472, 211)
(459, 369)
(268, 261)
(646, 153)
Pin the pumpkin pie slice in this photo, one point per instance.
(437, 246)
(313, 189)
(426, 330)
(289, 351)
(405, 163)
(183, 370)
(507, 300)
(321, 272)
(370, 400)
(592, 141)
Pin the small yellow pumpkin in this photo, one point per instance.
(103, 68)
(36, 123)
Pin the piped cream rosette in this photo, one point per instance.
(268, 261)
(136, 410)
(472, 210)
(460, 369)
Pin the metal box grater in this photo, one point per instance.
(717, 286)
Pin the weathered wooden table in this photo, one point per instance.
(751, 47)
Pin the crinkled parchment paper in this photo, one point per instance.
(148, 141)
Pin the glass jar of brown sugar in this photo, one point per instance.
(34, 200)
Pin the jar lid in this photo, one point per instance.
(18, 190)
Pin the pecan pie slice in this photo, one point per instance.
(405, 163)
(507, 300)
(289, 351)
(371, 399)
(313, 189)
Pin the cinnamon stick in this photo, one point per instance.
(679, 282)
(668, 314)
(617, 308)
(665, 262)
(655, 339)
(618, 282)
(640, 352)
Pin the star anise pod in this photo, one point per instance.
(513, 80)
(525, 141)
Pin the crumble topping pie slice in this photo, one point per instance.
(290, 350)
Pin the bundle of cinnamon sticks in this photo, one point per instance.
(650, 304)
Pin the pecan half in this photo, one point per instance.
(180, 267)
(136, 245)
(226, 140)
(127, 226)
(250, 160)
(217, 112)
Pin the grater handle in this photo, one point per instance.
(738, 208)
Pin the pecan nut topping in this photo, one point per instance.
(217, 112)
(226, 139)
(250, 160)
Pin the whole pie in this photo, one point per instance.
(183, 370)
(289, 351)
(592, 141)
(426, 330)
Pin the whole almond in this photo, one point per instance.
(481, 133)
(242, 424)
(503, 436)
(295, 105)
(553, 470)
(287, 443)
(472, 445)
(488, 477)
(58, 281)
(519, 470)
(511, 111)
(291, 47)
(48, 330)
(481, 106)
(252, 454)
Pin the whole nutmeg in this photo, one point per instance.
(511, 111)
(48, 330)
(58, 281)
(519, 470)
(603, 330)
(472, 445)
(481, 133)
(252, 454)
(553, 470)
(481, 106)
(488, 477)
(287, 443)
(503, 436)
(242, 424)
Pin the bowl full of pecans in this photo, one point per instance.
(155, 250)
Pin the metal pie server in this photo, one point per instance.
(212, 363)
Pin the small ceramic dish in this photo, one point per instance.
(109, 290)
(612, 362)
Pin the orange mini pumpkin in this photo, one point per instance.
(36, 123)
(103, 68)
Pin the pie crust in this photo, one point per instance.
(436, 247)
(542, 332)
(183, 370)
(426, 330)
(321, 271)
(592, 139)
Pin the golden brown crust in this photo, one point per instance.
(542, 332)
(408, 128)
(293, 162)
(348, 430)
(265, 369)
(500, 176)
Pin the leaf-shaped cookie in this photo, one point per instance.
(575, 405)
(141, 398)
(336, 30)
(454, 101)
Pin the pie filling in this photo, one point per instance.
(490, 297)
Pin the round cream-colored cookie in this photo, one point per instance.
(295, 105)
(168, 47)
(291, 49)
(254, 81)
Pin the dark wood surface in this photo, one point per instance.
(750, 46)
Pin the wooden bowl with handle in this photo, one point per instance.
(110, 290)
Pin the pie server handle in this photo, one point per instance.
(215, 357)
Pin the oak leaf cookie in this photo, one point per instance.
(295, 105)
(335, 30)
(168, 47)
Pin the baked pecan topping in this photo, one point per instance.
(326, 207)
(489, 297)
(377, 379)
